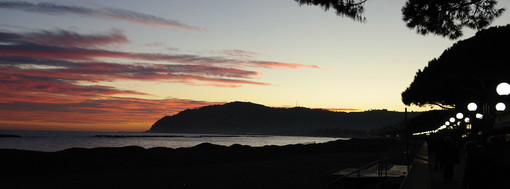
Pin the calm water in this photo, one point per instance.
(59, 140)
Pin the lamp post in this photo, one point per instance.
(503, 89)
(460, 120)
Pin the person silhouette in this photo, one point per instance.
(472, 168)
(450, 155)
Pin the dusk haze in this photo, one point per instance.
(122, 65)
(288, 94)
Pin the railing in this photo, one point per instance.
(382, 169)
(419, 175)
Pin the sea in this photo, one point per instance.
(51, 141)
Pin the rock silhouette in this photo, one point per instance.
(250, 118)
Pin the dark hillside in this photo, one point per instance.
(250, 118)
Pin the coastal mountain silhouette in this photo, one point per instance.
(251, 118)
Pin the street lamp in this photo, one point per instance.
(503, 89)
(468, 123)
(500, 106)
(459, 115)
(472, 107)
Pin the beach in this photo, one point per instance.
(202, 166)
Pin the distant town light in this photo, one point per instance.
(472, 107)
(452, 120)
(467, 120)
(479, 115)
(500, 106)
(503, 88)
(447, 123)
(459, 115)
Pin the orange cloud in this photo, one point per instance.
(42, 76)
(96, 114)
(344, 110)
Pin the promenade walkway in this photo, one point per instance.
(436, 175)
(491, 163)
(424, 175)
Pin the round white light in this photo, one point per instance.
(472, 107)
(503, 88)
(447, 123)
(452, 120)
(500, 106)
(467, 120)
(459, 115)
(479, 116)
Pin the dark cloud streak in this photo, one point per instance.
(72, 39)
(111, 13)
(33, 44)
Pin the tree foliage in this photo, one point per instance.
(469, 71)
(448, 17)
(441, 17)
(429, 120)
(351, 8)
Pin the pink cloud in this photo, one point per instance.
(42, 76)
(18, 87)
(63, 45)
(100, 71)
(54, 52)
(96, 113)
(240, 53)
(270, 64)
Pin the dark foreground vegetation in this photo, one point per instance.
(202, 166)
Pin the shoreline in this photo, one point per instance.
(56, 141)
(204, 165)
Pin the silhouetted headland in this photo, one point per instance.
(169, 136)
(249, 118)
(9, 136)
(203, 166)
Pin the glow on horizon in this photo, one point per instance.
(110, 66)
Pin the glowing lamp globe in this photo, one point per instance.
(452, 120)
(479, 115)
(447, 123)
(503, 88)
(500, 106)
(459, 115)
(467, 120)
(472, 107)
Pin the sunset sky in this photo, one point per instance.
(104, 65)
